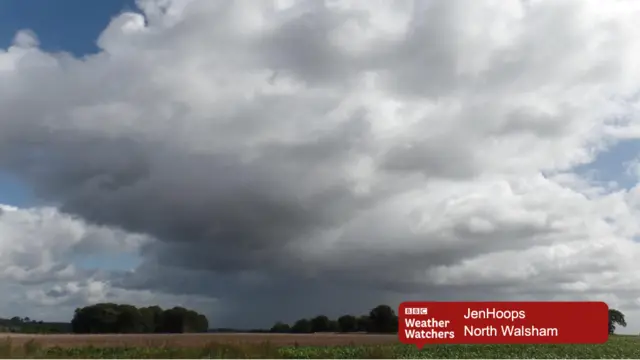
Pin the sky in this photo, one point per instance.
(267, 161)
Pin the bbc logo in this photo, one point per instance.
(416, 311)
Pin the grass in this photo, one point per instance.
(617, 347)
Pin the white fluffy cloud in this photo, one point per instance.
(40, 278)
(39, 244)
(395, 150)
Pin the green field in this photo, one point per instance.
(617, 347)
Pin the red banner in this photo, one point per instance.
(423, 323)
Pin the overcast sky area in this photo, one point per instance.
(271, 160)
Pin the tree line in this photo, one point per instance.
(27, 325)
(120, 318)
(381, 319)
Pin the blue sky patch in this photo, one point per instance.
(14, 192)
(68, 25)
(611, 165)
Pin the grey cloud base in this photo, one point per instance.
(328, 157)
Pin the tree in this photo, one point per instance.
(201, 323)
(383, 320)
(348, 323)
(181, 320)
(129, 319)
(280, 327)
(616, 318)
(320, 323)
(98, 318)
(150, 318)
(334, 326)
(114, 318)
(363, 323)
(158, 320)
(301, 326)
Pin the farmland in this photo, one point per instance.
(287, 346)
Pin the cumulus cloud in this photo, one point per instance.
(327, 156)
(39, 249)
(39, 244)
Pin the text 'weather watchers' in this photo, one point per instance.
(423, 323)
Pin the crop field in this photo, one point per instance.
(288, 346)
